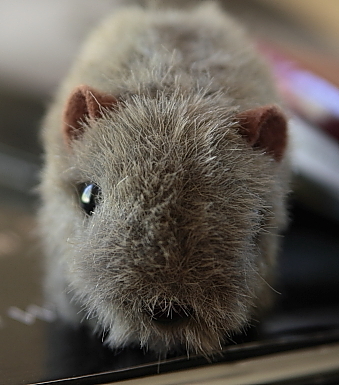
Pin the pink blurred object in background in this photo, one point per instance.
(308, 94)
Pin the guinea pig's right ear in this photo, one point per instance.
(265, 127)
(84, 103)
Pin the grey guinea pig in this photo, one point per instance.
(165, 180)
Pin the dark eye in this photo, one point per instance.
(89, 194)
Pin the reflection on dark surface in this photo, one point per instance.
(76, 352)
(78, 358)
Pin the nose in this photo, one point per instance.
(171, 314)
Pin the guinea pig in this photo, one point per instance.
(165, 181)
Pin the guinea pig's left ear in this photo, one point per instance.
(84, 103)
(265, 127)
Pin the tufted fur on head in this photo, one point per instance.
(174, 119)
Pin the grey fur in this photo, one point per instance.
(189, 212)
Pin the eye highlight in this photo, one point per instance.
(89, 194)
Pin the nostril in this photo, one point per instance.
(171, 314)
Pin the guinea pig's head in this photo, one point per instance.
(173, 207)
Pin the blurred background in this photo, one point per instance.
(38, 41)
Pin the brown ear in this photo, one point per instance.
(84, 103)
(265, 127)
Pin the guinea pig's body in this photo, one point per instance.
(165, 181)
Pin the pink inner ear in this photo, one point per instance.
(265, 127)
(84, 103)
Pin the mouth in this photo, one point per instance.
(167, 327)
(172, 314)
